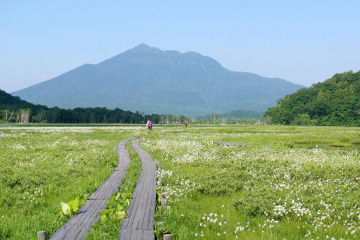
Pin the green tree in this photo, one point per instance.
(213, 117)
(335, 101)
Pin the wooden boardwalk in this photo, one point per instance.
(139, 224)
(79, 225)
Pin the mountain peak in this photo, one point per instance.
(145, 49)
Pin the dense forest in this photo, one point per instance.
(13, 109)
(335, 101)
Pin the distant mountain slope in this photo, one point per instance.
(335, 101)
(235, 114)
(148, 80)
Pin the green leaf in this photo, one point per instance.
(82, 198)
(118, 195)
(120, 215)
(66, 209)
(120, 208)
(74, 205)
(127, 198)
(103, 218)
(61, 213)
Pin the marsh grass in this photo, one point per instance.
(41, 167)
(292, 183)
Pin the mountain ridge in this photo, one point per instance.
(150, 80)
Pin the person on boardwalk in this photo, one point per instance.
(186, 123)
(148, 124)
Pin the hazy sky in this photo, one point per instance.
(304, 42)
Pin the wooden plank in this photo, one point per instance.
(125, 234)
(140, 220)
(149, 235)
(78, 226)
(137, 235)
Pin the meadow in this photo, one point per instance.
(291, 183)
(44, 166)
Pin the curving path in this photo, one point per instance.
(140, 221)
(78, 225)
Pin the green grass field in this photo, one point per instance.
(44, 166)
(291, 183)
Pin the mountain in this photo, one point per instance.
(335, 101)
(150, 80)
(235, 114)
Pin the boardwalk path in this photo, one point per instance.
(78, 225)
(140, 221)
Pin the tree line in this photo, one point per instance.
(15, 110)
(19, 114)
(334, 102)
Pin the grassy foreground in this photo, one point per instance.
(291, 183)
(43, 166)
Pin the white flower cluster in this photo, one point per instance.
(18, 147)
(33, 197)
(318, 186)
(179, 189)
(160, 173)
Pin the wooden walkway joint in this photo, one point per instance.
(139, 224)
(78, 226)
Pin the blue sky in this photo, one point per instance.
(303, 42)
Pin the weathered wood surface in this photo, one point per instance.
(78, 226)
(139, 224)
(232, 144)
(41, 235)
